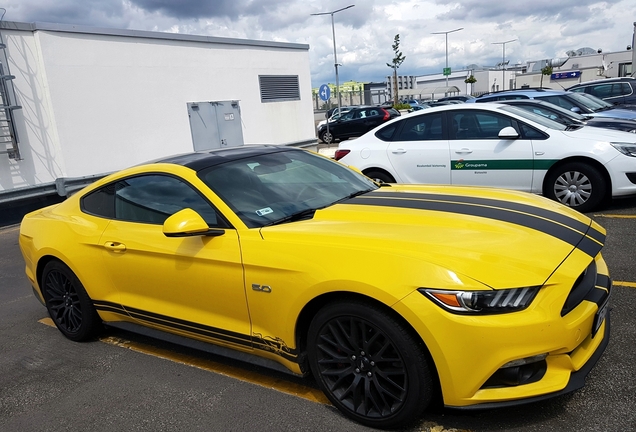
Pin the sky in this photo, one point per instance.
(541, 29)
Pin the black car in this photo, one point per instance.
(619, 91)
(356, 122)
(570, 118)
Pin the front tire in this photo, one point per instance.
(69, 306)
(327, 137)
(577, 185)
(368, 365)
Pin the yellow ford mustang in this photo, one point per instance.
(388, 294)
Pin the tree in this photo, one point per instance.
(395, 64)
(545, 71)
(471, 80)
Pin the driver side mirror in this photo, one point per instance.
(508, 133)
(576, 110)
(188, 223)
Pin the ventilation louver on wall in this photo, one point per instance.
(276, 88)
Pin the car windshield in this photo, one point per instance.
(543, 121)
(591, 102)
(272, 188)
(597, 100)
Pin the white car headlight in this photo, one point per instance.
(626, 148)
(482, 302)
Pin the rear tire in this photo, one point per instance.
(68, 304)
(577, 185)
(368, 365)
(379, 176)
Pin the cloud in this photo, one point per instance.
(364, 33)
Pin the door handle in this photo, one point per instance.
(464, 150)
(115, 246)
(398, 151)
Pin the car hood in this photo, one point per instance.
(600, 134)
(615, 113)
(499, 238)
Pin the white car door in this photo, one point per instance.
(419, 152)
(479, 157)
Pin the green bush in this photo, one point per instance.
(402, 106)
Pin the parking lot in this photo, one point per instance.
(129, 382)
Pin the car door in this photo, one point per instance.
(187, 284)
(479, 157)
(419, 151)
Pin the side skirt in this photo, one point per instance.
(201, 346)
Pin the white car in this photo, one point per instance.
(500, 146)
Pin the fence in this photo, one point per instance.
(353, 97)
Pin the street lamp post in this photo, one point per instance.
(335, 55)
(503, 62)
(446, 33)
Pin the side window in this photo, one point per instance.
(148, 199)
(479, 125)
(602, 90)
(579, 89)
(426, 127)
(386, 133)
(349, 115)
(624, 89)
(528, 132)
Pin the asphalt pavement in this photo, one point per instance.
(49, 383)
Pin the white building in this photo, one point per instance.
(96, 100)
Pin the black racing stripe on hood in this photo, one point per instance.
(525, 208)
(554, 229)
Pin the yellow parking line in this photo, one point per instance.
(616, 216)
(311, 394)
(626, 284)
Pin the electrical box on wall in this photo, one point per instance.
(215, 124)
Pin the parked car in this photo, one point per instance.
(338, 111)
(580, 103)
(498, 145)
(389, 296)
(460, 98)
(355, 123)
(335, 116)
(569, 118)
(617, 91)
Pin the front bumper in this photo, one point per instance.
(577, 379)
(469, 350)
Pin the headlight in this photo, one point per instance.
(482, 302)
(628, 149)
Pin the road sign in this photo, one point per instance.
(446, 72)
(324, 92)
(564, 75)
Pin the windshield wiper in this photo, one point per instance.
(299, 215)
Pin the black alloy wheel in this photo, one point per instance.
(577, 185)
(368, 365)
(68, 303)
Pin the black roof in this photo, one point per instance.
(204, 159)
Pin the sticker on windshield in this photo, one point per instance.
(264, 211)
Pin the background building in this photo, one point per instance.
(93, 101)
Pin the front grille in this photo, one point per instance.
(582, 287)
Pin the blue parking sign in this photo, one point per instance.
(324, 92)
